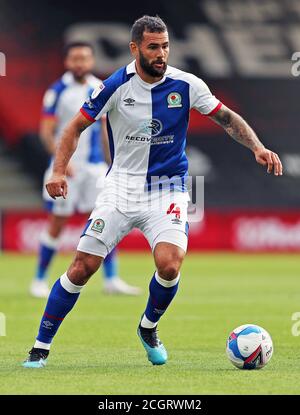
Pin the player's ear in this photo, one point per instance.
(133, 48)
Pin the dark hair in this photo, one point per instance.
(152, 24)
(77, 44)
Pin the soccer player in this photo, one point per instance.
(147, 104)
(61, 102)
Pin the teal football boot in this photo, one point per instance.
(156, 351)
(36, 359)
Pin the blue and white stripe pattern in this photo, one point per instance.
(63, 100)
(147, 123)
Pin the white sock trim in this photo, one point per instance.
(49, 241)
(147, 324)
(165, 283)
(69, 286)
(41, 345)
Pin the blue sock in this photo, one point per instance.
(61, 300)
(110, 265)
(47, 250)
(160, 297)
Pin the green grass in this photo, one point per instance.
(97, 351)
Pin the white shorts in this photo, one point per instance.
(83, 190)
(109, 225)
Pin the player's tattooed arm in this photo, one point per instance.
(84, 126)
(237, 128)
(57, 184)
(241, 131)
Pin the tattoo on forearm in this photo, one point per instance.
(237, 128)
(83, 127)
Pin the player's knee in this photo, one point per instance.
(82, 269)
(168, 262)
(169, 271)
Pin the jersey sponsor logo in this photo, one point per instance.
(129, 102)
(166, 139)
(150, 131)
(139, 138)
(97, 90)
(98, 225)
(174, 100)
(152, 127)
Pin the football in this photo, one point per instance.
(249, 347)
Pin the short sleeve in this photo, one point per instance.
(50, 102)
(99, 102)
(201, 97)
(51, 98)
(103, 98)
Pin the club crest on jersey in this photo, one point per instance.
(98, 225)
(174, 100)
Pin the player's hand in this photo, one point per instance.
(270, 159)
(57, 186)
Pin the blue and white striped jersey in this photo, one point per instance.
(63, 101)
(147, 123)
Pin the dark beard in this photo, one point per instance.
(80, 79)
(149, 69)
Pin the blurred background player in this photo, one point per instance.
(61, 102)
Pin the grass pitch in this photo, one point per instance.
(97, 351)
